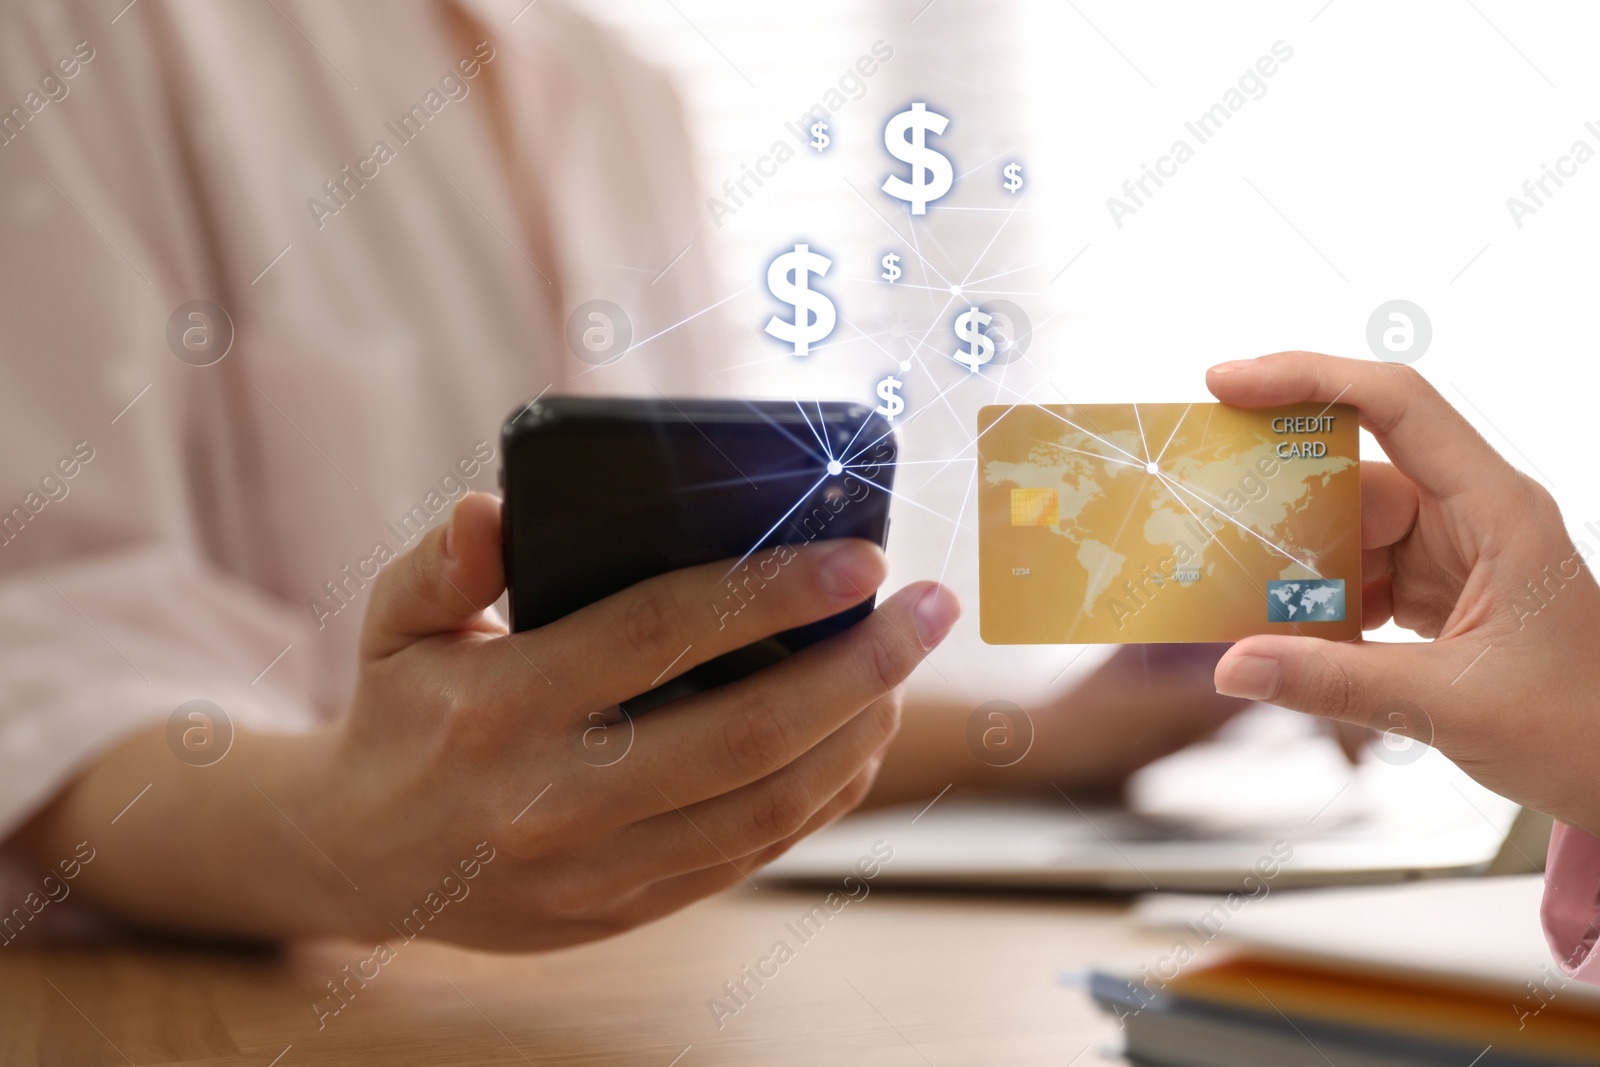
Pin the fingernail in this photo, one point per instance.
(1250, 678)
(1228, 367)
(935, 612)
(851, 570)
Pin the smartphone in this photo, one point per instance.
(601, 494)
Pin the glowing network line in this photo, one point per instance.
(973, 170)
(702, 433)
(997, 232)
(753, 549)
(784, 430)
(962, 514)
(974, 439)
(913, 416)
(898, 235)
(1174, 433)
(1175, 484)
(724, 483)
(965, 290)
(845, 451)
(901, 496)
(1002, 274)
(659, 333)
(1266, 597)
(814, 432)
(1094, 455)
(1142, 442)
(850, 457)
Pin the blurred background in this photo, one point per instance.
(1374, 164)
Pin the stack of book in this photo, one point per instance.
(1451, 973)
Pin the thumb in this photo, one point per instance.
(442, 585)
(1379, 685)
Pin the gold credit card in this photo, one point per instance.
(1141, 523)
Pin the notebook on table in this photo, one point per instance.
(1448, 973)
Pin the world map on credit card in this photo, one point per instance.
(1130, 524)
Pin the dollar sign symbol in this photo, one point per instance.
(891, 268)
(892, 404)
(1013, 173)
(969, 328)
(931, 174)
(814, 314)
(819, 136)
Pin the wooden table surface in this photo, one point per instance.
(893, 978)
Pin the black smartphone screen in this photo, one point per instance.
(603, 493)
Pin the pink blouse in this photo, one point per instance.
(395, 282)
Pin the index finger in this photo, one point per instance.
(1428, 440)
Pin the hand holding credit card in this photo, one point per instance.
(1142, 523)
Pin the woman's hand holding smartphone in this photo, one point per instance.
(461, 733)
